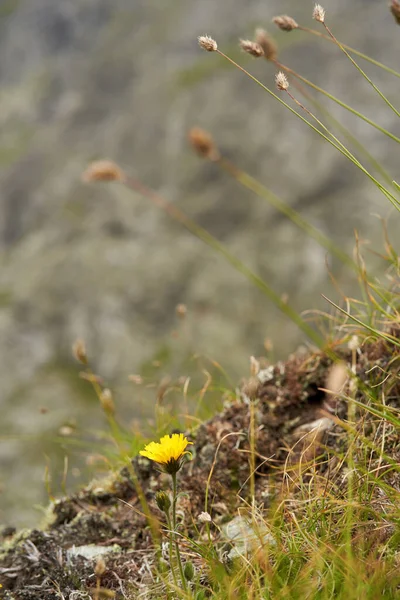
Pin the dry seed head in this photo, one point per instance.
(103, 170)
(395, 10)
(181, 310)
(79, 351)
(319, 13)
(285, 23)
(251, 388)
(203, 143)
(107, 402)
(281, 81)
(251, 48)
(254, 366)
(267, 44)
(204, 517)
(354, 343)
(207, 43)
(100, 567)
(337, 377)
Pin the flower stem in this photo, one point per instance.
(171, 544)
(178, 554)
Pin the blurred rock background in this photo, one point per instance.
(88, 79)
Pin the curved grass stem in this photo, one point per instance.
(327, 138)
(359, 69)
(365, 57)
(238, 265)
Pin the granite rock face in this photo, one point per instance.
(87, 79)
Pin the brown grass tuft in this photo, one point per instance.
(103, 170)
(207, 43)
(395, 10)
(79, 351)
(285, 23)
(319, 13)
(203, 143)
(251, 48)
(268, 45)
(281, 81)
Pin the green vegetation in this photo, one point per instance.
(293, 487)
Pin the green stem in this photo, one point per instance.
(211, 241)
(171, 544)
(345, 153)
(339, 102)
(258, 188)
(177, 551)
(359, 69)
(352, 50)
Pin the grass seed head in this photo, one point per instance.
(251, 48)
(319, 13)
(281, 81)
(395, 10)
(79, 351)
(207, 43)
(103, 170)
(107, 402)
(267, 44)
(100, 567)
(181, 310)
(285, 23)
(204, 517)
(203, 143)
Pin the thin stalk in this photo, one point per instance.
(359, 69)
(360, 147)
(252, 460)
(346, 153)
(339, 102)
(258, 188)
(389, 338)
(352, 50)
(211, 241)
(177, 551)
(171, 545)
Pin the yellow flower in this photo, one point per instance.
(169, 452)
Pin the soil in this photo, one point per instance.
(289, 399)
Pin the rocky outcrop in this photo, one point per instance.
(83, 80)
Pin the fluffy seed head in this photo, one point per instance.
(207, 43)
(285, 23)
(319, 13)
(281, 81)
(267, 44)
(251, 388)
(204, 517)
(395, 10)
(337, 377)
(79, 351)
(107, 402)
(354, 343)
(254, 366)
(103, 170)
(100, 567)
(251, 48)
(181, 310)
(203, 143)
